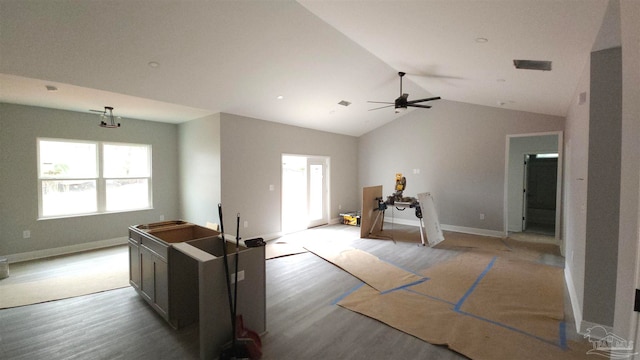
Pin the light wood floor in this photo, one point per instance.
(303, 321)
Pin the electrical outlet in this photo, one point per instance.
(240, 276)
(246, 223)
(481, 216)
(26, 234)
(161, 217)
(339, 207)
(272, 187)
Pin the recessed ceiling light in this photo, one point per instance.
(153, 64)
(280, 97)
(51, 88)
(482, 40)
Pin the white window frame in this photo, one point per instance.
(101, 180)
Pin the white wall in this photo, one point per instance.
(576, 149)
(251, 161)
(460, 151)
(625, 319)
(200, 169)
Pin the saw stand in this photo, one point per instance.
(382, 206)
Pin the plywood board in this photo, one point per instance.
(369, 211)
(430, 219)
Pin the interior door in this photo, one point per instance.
(304, 192)
(525, 193)
(317, 191)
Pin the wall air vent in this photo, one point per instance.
(532, 65)
(344, 103)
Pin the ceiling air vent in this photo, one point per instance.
(344, 103)
(532, 65)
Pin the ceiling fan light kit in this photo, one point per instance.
(402, 102)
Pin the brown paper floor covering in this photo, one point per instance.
(492, 301)
(280, 248)
(34, 282)
(378, 274)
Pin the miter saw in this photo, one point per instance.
(398, 201)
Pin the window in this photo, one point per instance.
(82, 177)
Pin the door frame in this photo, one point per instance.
(326, 162)
(560, 145)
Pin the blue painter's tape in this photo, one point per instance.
(336, 301)
(475, 284)
(404, 286)
(509, 328)
(563, 335)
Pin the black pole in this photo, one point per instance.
(235, 287)
(228, 281)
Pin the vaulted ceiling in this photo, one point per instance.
(175, 61)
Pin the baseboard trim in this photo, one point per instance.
(573, 296)
(473, 231)
(64, 250)
(582, 326)
(453, 228)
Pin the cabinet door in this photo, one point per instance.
(134, 265)
(147, 278)
(162, 286)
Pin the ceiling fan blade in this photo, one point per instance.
(380, 102)
(382, 107)
(421, 100)
(420, 106)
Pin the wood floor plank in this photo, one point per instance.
(303, 321)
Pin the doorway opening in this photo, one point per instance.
(305, 192)
(533, 187)
(539, 193)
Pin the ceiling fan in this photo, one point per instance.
(402, 102)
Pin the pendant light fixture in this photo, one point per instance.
(107, 120)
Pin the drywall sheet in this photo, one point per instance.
(380, 275)
(369, 211)
(430, 219)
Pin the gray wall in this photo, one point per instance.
(251, 161)
(19, 128)
(459, 149)
(200, 169)
(603, 192)
(518, 148)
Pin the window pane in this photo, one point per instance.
(64, 159)
(127, 194)
(122, 161)
(66, 197)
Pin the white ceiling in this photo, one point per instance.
(238, 56)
